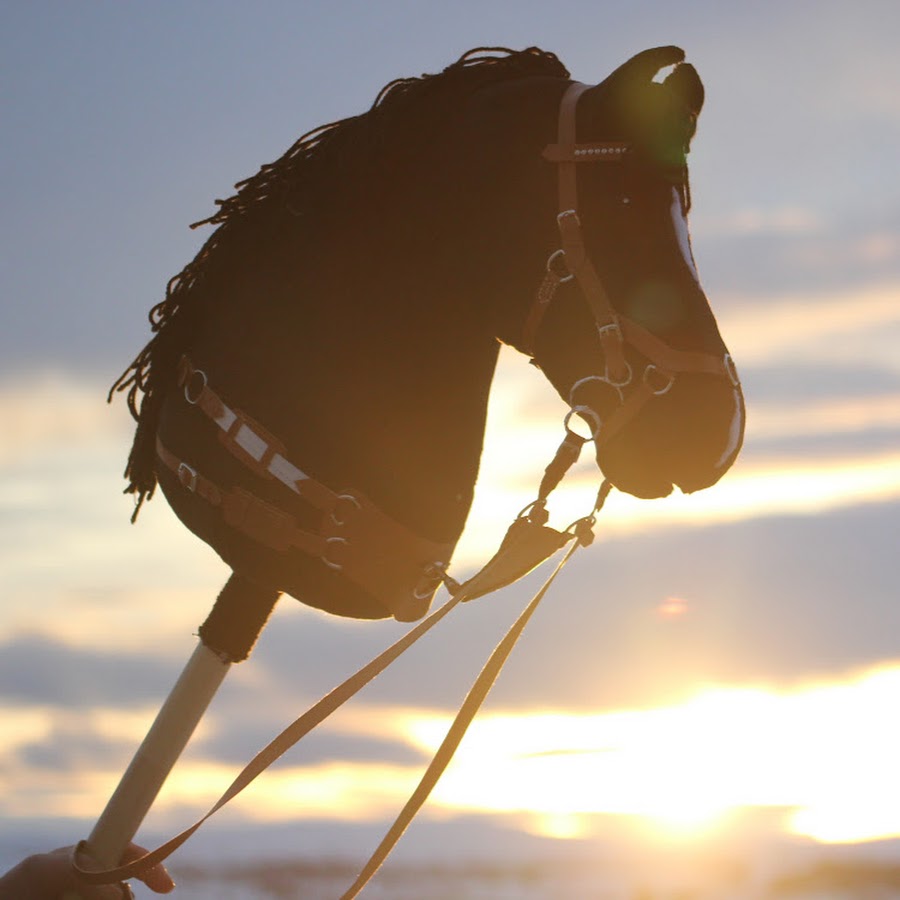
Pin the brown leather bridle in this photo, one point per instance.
(615, 331)
(355, 537)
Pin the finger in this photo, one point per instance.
(156, 878)
(56, 870)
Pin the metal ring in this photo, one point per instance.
(187, 384)
(582, 381)
(731, 370)
(433, 574)
(187, 476)
(333, 565)
(666, 387)
(555, 255)
(353, 500)
(603, 379)
(588, 413)
(629, 375)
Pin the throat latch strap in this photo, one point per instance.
(354, 538)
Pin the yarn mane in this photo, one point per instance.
(289, 198)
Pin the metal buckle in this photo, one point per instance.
(338, 567)
(187, 396)
(650, 371)
(612, 328)
(353, 500)
(558, 254)
(187, 476)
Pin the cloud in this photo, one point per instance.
(320, 746)
(795, 219)
(764, 252)
(768, 598)
(856, 415)
(787, 384)
(776, 221)
(841, 327)
(70, 563)
(774, 600)
(39, 670)
(69, 748)
(241, 722)
(54, 408)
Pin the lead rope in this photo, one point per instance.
(527, 544)
(470, 706)
(582, 531)
(270, 753)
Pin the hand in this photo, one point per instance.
(49, 876)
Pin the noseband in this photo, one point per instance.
(615, 331)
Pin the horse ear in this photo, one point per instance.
(685, 83)
(644, 66)
(661, 118)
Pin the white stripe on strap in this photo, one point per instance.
(255, 446)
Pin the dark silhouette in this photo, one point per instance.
(342, 322)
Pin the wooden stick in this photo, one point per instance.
(157, 755)
(227, 636)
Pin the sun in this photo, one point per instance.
(817, 761)
(685, 817)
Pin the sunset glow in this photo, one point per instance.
(679, 769)
(683, 767)
(705, 703)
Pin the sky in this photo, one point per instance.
(718, 662)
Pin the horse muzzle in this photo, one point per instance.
(688, 437)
